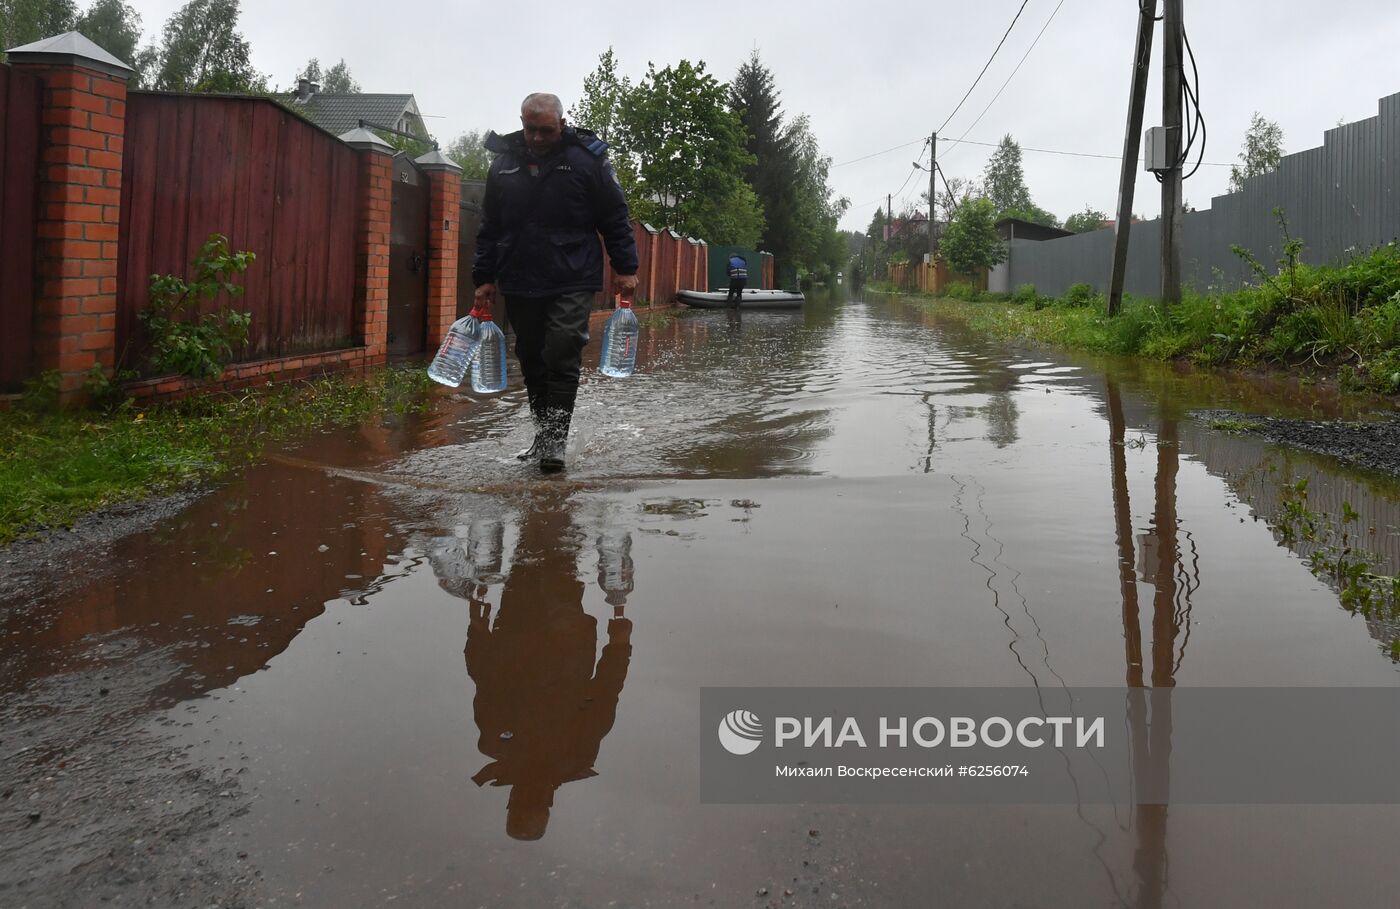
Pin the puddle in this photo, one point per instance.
(458, 681)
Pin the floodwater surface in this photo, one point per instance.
(394, 665)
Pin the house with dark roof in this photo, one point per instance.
(339, 113)
(1015, 232)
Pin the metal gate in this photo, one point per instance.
(19, 174)
(473, 191)
(408, 260)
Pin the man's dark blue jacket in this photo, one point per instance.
(539, 234)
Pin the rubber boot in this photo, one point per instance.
(554, 439)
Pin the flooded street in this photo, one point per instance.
(395, 666)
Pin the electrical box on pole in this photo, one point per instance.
(1154, 147)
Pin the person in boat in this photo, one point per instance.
(738, 271)
(549, 193)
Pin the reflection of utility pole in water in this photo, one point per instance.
(1148, 710)
(932, 431)
(542, 707)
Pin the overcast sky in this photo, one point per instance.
(871, 74)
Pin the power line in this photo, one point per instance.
(913, 170)
(949, 190)
(878, 153)
(1043, 151)
(1072, 154)
(987, 64)
(906, 179)
(1014, 71)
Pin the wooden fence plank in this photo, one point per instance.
(19, 169)
(275, 185)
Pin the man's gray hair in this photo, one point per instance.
(542, 102)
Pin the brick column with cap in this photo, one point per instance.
(80, 187)
(444, 241)
(371, 317)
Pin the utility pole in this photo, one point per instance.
(1132, 145)
(1171, 179)
(932, 195)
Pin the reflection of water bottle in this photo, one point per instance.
(485, 544)
(615, 566)
(489, 368)
(620, 342)
(457, 352)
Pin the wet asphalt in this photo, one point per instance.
(393, 665)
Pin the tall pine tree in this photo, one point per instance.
(1004, 183)
(774, 173)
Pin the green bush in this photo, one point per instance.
(960, 291)
(1080, 295)
(197, 348)
(1342, 318)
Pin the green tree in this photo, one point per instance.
(1004, 180)
(789, 175)
(971, 241)
(312, 71)
(339, 81)
(1035, 214)
(1263, 149)
(816, 242)
(201, 50)
(773, 173)
(952, 193)
(470, 153)
(736, 218)
(599, 106)
(25, 21)
(687, 151)
(113, 26)
(1083, 222)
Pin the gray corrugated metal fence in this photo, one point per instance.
(1341, 198)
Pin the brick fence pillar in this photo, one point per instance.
(675, 240)
(371, 317)
(80, 189)
(652, 269)
(444, 241)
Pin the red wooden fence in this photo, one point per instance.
(20, 97)
(272, 183)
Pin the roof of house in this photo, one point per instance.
(1029, 230)
(340, 113)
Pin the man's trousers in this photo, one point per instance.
(550, 334)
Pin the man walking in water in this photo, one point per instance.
(550, 192)
(738, 271)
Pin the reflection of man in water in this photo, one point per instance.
(541, 706)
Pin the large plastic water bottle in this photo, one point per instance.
(489, 367)
(457, 352)
(620, 342)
